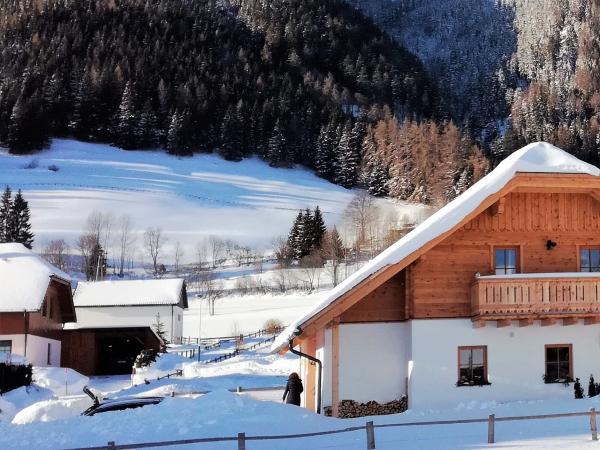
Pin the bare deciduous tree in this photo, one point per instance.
(125, 241)
(153, 243)
(56, 252)
(216, 249)
(311, 270)
(333, 251)
(86, 244)
(177, 256)
(282, 251)
(211, 288)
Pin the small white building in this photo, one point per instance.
(132, 303)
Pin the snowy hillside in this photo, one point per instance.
(190, 198)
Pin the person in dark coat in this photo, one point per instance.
(293, 389)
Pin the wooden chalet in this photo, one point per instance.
(494, 297)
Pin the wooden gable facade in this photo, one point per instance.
(437, 281)
(56, 309)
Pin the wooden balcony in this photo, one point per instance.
(529, 297)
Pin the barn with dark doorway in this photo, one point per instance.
(106, 351)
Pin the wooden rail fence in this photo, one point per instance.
(369, 429)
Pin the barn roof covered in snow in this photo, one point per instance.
(536, 158)
(24, 278)
(170, 291)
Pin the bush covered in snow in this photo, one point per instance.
(60, 380)
(13, 376)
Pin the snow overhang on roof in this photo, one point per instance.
(130, 293)
(536, 158)
(24, 278)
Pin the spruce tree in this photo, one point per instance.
(231, 137)
(277, 150)
(5, 211)
(578, 390)
(96, 268)
(347, 160)
(126, 120)
(294, 235)
(592, 387)
(176, 135)
(19, 219)
(376, 180)
(325, 155)
(318, 229)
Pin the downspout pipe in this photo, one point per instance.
(319, 370)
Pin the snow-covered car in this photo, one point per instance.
(117, 404)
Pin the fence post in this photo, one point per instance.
(241, 441)
(491, 426)
(111, 444)
(370, 436)
(593, 424)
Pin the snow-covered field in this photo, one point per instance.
(190, 198)
(245, 314)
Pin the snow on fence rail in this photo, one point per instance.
(194, 340)
(369, 428)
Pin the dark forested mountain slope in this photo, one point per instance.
(509, 71)
(192, 76)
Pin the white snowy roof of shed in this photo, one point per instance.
(129, 292)
(539, 157)
(24, 278)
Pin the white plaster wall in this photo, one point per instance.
(18, 342)
(37, 351)
(324, 354)
(374, 361)
(37, 348)
(516, 357)
(132, 316)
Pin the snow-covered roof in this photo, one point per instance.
(24, 278)
(129, 292)
(539, 157)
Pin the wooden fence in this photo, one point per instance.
(369, 430)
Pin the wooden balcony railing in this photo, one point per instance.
(536, 295)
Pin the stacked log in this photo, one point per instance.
(349, 408)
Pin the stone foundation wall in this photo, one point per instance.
(349, 408)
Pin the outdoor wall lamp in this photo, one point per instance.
(550, 244)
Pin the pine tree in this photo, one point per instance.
(159, 328)
(20, 226)
(176, 142)
(347, 159)
(325, 153)
(377, 180)
(318, 229)
(277, 151)
(294, 235)
(306, 234)
(96, 268)
(592, 387)
(5, 211)
(578, 391)
(126, 120)
(231, 137)
(146, 131)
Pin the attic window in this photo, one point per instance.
(589, 260)
(506, 260)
